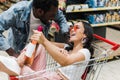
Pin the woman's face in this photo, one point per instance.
(77, 32)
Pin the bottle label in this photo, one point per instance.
(30, 49)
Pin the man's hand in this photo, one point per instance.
(21, 59)
(11, 52)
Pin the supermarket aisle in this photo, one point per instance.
(110, 71)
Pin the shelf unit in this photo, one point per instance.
(99, 28)
(5, 5)
(98, 9)
(105, 24)
(94, 9)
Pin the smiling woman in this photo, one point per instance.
(81, 36)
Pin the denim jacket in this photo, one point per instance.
(16, 20)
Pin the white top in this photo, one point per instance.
(72, 71)
(10, 64)
(34, 23)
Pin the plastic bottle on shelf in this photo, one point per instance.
(100, 3)
(91, 3)
(30, 52)
(107, 3)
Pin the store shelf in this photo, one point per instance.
(1, 10)
(5, 5)
(94, 9)
(105, 24)
(82, 11)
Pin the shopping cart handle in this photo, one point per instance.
(13, 78)
(115, 45)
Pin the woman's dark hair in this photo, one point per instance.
(88, 44)
(45, 5)
(88, 40)
(89, 33)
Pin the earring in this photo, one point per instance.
(83, 40)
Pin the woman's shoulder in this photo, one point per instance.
(85, 52)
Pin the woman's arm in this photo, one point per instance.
(62, 56)
(60, 45)
(59, 54)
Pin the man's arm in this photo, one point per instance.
(12, 52)
(7, 20)
(64, 27)
(61, 20)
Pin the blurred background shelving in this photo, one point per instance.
(5, 5)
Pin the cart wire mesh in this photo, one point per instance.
(93, 65)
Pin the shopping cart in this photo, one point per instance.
(101, 57)
(92, 70)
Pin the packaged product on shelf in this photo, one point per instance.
(113, 18)
(3, 8)
(91, 3)
(84, 6)
(116, 16)
(80, 6)
(100, 18)
(69, 8)
(96, 18)
(54, 28)
(118, 2)
(108, 3)
(1, 11)
(108, 17)
(70, 23)
(77, 7)
(114, 2)
(91, 19)
(62, 4)
(100, 3)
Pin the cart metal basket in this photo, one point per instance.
(92, 67)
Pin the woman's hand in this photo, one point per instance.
(38, 36)
(21, 58)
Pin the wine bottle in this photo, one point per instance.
(31, 50)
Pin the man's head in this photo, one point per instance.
(45, 10)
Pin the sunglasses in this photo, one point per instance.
(75, 27)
